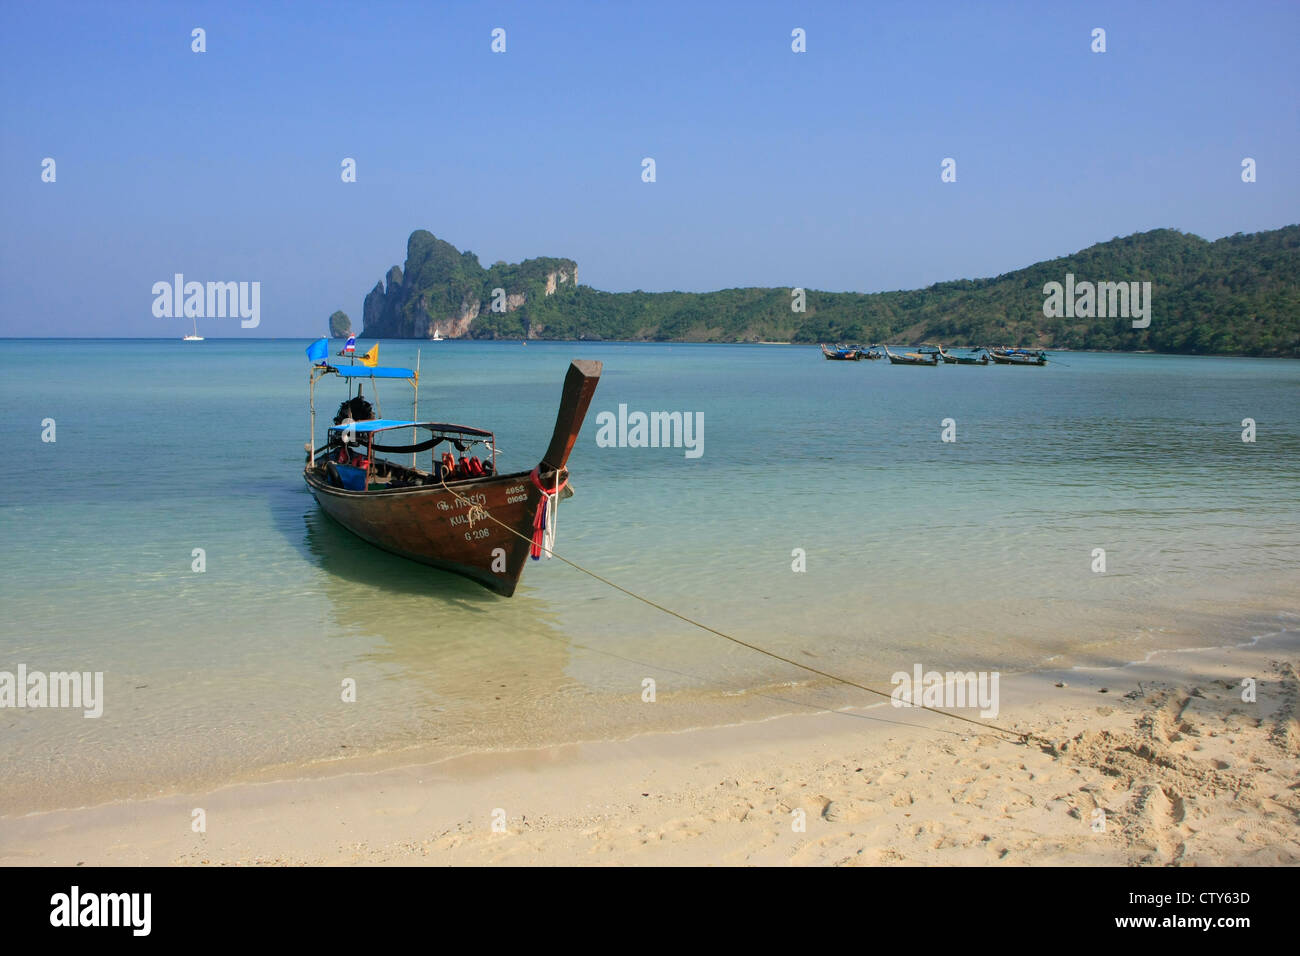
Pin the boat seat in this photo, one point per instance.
(351, 478)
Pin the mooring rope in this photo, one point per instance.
(808, 705)
(1022, 736)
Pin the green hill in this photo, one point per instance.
(1239, 295)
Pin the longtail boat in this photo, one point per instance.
(842, 354)
(439, 516)
(1005, 356)
(912, 358)
(977, 357)
(872, 354)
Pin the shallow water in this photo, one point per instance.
(974, 553)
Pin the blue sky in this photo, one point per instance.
(819, 169)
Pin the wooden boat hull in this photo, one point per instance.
(432, 526)
(904, 360)
(1020, 359)
(441, 526)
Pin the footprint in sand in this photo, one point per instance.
(1162, 810)
(851, 811)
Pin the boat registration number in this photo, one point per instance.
(479, 499)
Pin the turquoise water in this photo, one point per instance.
(972, 553)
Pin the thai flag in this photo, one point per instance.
(351, 347)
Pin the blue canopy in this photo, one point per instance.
(378, 371)
(373, 425)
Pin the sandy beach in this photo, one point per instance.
(578, 500)
(1155, 763)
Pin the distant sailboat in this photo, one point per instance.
(195, 337)
(437, 336)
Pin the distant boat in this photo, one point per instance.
(195, 337)
(1006, 356)
(912, 358)
(437, 336)
(979, 356)
(842, 354)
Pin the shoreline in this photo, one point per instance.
(514, 341)
(590, 715)
(656, 797)
(679, 709)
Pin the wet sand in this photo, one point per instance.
(1156, 763)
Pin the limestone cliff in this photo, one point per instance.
(444, 290)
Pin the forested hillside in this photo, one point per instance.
(1239, 295)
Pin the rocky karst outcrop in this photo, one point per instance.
(444, 290)
(340, 324)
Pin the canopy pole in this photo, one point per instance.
(415, 408)
(311, 404)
